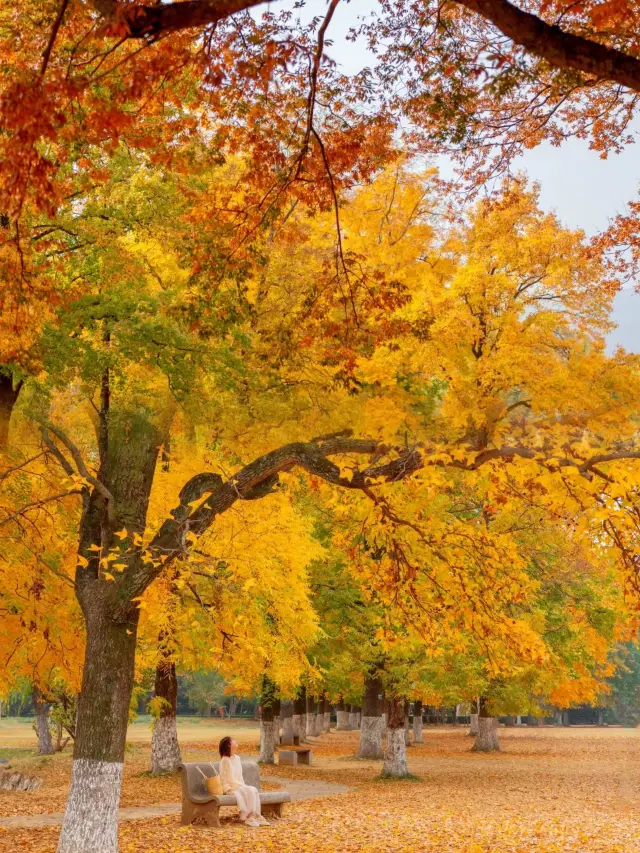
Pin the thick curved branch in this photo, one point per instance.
(260, 477)
(153, 20)
(557, 47)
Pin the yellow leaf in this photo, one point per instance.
(94, 548)
(121, 534)
(82, 561)
(108, 577)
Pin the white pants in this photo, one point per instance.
(248, 800)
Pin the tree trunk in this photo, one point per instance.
(326, 715)
(487, 739)
(353, 717)
(299, 719)
(268, 733)
(91, 817)
(417, 721)
(45, 742)
(311, 716)
(287, 723)
(473, 728)
(342, 715)
(8, 398)
(318, 720)
(165, 750)
(370, 727)
(407, 737)
(395, 756)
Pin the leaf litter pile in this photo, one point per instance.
(549, 791)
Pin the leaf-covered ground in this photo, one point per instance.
(549, 791)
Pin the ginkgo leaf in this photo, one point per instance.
(121, 534)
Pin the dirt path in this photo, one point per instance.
(300, 789)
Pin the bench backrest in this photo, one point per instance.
(194, 784)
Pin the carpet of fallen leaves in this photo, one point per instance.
(550, 791)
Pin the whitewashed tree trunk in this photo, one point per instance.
(318, 721)
(487, 739)
(343, 721)
(300, 715)
(91, 817)
(353, 718)
(299, 725)
(473, 729)
(417, 726)
(267, 741)
(45, 742)
(311, 725)
(395, 755)
(327, 721)
(165, 749)
(370, 738)
(407, 736)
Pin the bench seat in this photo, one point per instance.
(198, 802)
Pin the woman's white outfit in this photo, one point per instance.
(247, 797)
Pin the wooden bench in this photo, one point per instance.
(294, 756)
(198, 802)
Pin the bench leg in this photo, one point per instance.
(188, 813)
(272, 810)
(212, 816)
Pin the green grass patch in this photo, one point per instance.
(408, 778)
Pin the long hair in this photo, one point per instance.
(224, 747)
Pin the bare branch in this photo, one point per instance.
(82, 468)
(52, 37)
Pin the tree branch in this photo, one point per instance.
(259, 477)
(557, 47)
(144, 21)
(82, 468)
(52, 38)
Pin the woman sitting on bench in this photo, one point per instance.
(247, 797)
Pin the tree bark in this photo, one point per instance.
(8, 398)
(395, 756)
(165, 749)
(299, 720)
(371, 730)
(318, 719)
(326, 710)
(90, 822)
(407, 737)
(353, 717)
(287, 722)
(268, 733)
(311, 716)
(559, 48)
(342, 715)
(487, 739)
(41, 706)
(417, 721)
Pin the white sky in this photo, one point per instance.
(583, 190)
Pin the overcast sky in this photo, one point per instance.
(583, 190)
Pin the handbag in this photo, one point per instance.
(213, 783)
